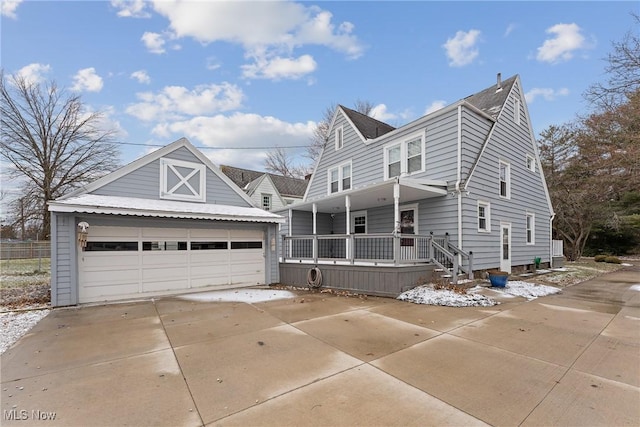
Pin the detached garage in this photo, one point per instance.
(167, 223)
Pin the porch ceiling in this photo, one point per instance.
(377, 194)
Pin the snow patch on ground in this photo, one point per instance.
(15, 325)
(240, 295)
(635, 287)
(473, 297)
(426, 294)
(526, 290)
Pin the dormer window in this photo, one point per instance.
(180, 180)
(339, 178)
(339, 142)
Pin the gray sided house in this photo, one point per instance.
(456, 191)
(169, 222)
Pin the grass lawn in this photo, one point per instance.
(22, 272)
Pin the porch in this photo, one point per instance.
(378, 264)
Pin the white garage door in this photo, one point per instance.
(126, 262)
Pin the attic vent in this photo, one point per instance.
(499, 83)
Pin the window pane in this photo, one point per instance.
(414, 148)
(246, 245)
(346, 183)
(394, 154)
(201, 246)
(111, 246)
(394, 169)
(164, 246)
(334, 175)
(414, 164)
(482, 224)
(334, 187)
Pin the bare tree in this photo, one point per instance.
(623, 69)
(53, 143)
(279, 162)
(321, 132)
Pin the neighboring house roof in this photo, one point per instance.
(492, 99)
(249, 179)
(369, 127)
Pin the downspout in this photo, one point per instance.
(459, 177)
(551, 218)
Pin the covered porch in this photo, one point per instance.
(339, 230)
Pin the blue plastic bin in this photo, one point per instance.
(498, 280)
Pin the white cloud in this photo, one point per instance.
(274, 28)
(461, 49)
(176, 102)
(154, 42)
(547, 93)
(131, 8)
(33, 73)
(435, 106)
(380, 112)
(8, 8)
(212, 63)
(238, 130)
(87, 79)
(278, 68)
(567, 38)
(510, 29)
(141, 76)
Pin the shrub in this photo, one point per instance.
(600, 258)
(612, 260)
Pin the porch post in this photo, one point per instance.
(315, 238)
(290, 233)
(347, 205)
(396, 222)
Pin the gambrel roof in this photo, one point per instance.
(248, 179)
(369, 127)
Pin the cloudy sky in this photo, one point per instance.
(239, 78)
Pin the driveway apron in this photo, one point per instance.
(322, 359)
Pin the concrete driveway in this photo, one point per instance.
(320, 359)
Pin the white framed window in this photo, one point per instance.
(505, 180)
(359, 222)
(516, 111)
(484, 217)
(339, 138)
(339, 178)
(531, 163)
(266, 202)
(531, 229)
(404, 158)
(180, 180)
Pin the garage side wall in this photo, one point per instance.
(63, 260)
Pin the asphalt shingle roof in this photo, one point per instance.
(286, 186)
(491, 100)
(369, 127)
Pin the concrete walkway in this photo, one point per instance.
(319, 359)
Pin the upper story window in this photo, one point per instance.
(516, 111)
(180, 180)
(531, 163)
(404, 158)
(505, 179)
(484, 216)
(266, 202)
(339, 138)
(339, 178)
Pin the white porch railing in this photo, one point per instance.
(376, 249)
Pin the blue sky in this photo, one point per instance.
(245, 76)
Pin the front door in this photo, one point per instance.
(408, 225)
(505, 247)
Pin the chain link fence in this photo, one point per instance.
(25, 250)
